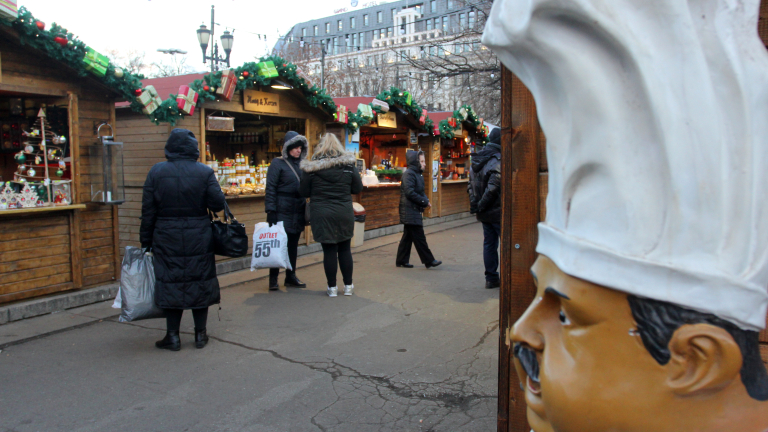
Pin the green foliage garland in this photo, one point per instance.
(446, 130)
(393, 96)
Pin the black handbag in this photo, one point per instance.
(229, 236)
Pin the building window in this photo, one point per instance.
(362, 41)
(390, 31)
(463, 21)
(354, 42)
(368, 61)
(341, 25)
(352, 22)
(314, 30)
(433, 6)
(379, 16)
(303, 32)
(432, 51)
(471, 20)
(394, 12)
(365, 20)
(327, 28)
(445, 24)
(450, 4)
(429, 24)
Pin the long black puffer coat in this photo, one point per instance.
(283, 195)
(413, 200)
(485, 184)
(175, 223)
(329, 184)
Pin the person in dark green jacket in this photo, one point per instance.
(329, 180)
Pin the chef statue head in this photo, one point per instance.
(653, 268)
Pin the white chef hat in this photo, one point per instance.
(656, 116)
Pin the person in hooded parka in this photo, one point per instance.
(176, 227)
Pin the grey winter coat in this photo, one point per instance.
(175, 223)
(282, 193)
(485, 185)
(413, 200)
(329, 184)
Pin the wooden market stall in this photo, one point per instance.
(388, 129)
(238, 139)
(58, 221)
(462, 134)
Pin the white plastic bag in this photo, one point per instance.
(137, 287)
(270, 247)
(370, 179)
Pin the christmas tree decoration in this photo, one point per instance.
(95, 62)
(31, 172)
(28, 197)
(137, 92)
(266, 69)
(186, 100)
(246, 73)
(20, 158)
(149, 99)
(60, 172)
(40, 25)
(227, 86)
(119, 73)
(61, 40)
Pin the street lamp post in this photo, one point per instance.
(204, 35)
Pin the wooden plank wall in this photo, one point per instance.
(454, 199)
(382, 207)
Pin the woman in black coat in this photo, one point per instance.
(285, 204)
(329, 180)
(413, 202)
(175, 225)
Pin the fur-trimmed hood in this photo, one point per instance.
(316, 165)
(291, 139)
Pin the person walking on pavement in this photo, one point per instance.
(485, 202)
(285, 204)
(176, 227)
(413, 202)
(329, 181)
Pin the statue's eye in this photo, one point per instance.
(564, 319)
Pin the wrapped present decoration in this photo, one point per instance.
(408, 98)
(267, 69)
(94, 61)
(366, 111)
(186, 100)
(342, 114)
(463, 113)
(9, 10)
(423, 118)
(452, 122)
(226, 88)
(381, 104)
(437, 130)
(149, 99)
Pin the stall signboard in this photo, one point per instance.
(261, 102)
(388, 120)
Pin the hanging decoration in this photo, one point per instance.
(446, 128)
(150, 100)
(226, 88)
(186, 100)
(382, 104)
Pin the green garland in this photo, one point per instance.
(446, 130)
(73, 52)
(393, 96)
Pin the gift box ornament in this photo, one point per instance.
(94, 61)
(186, 100)
(452, 122)
(342, 114)
(463, 113)
(267, 69)
(227, 86)
(9, 10)
(381, 104)
(150, 99)
(365, 111)
(423, 118)
(408, 98)
(436, 132)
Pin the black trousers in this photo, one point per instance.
(413, 235)
(293, 250)
(341, 254)
(173, 318)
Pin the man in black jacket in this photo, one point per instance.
(485, 202)
(413, 201)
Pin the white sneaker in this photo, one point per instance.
(333, 291)
(348, 289)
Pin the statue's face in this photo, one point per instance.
(595, 374)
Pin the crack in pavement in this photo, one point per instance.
(387, 404)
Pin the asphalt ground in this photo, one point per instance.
(411, 350)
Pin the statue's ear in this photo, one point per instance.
(704, 358)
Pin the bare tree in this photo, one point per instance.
(176, 66)
(131, 60)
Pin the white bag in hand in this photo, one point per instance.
(270, 247)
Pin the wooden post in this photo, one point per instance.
(201, 143)
(74, 249)
(519, 235)
(74, 142)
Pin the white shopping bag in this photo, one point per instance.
(270, 247)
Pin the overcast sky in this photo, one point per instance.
(148, 25)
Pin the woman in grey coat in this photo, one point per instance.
(329, 180)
